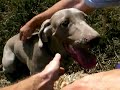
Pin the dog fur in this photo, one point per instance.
(66, 26)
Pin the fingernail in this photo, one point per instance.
(58, 55)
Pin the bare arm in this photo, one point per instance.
(35, 82)
(107, 80)
(58, 6)
(48, 13)
(41, 81)
(36, 21)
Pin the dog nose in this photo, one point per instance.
(93, 42)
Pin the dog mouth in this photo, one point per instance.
(81, 55)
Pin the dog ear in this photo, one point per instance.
(44, 32)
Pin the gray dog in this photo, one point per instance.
(66, 32)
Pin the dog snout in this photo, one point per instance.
(89, 34)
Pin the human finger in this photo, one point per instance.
(55, 63)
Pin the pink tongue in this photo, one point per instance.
(85, 59)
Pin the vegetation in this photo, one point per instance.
(15, 13)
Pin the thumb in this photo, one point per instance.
(54, 65)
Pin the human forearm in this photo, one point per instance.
(107, 80)
(35, 82)
(22, 85)
(26, 84)
(38, 19)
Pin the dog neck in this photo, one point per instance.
(53, 46)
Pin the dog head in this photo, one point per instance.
(68, 26)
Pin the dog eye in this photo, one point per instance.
(65, 23)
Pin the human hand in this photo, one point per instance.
(53, 69)
(25, 32)
(108, 80)
(41, 81)
(45, 79)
